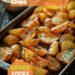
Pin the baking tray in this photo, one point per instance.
(15, 22)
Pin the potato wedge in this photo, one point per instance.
(60, 17)
(33, 16)
(60, 28)
(67, 37)
(27, 54)
(31, 23)
(42, 17)
(63, 14)
(47, 38)
(54, 49)
(57, 20)
(71, 5)
(49, 13)
(66, 56)
(28, 33)
(54, 64)
(40, 62)
(66, 45)
(31, 57)
(44, 29)
(38, 9)
(72, 14)
(39, 50)
(72, 24)
(5, 53)
(10, 40)
(16, 50)
(29, 42)
(68, 31)
(16, 31)
(48, 23)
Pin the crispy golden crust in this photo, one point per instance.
(54, 64)
(10, 40)
(5, 53)
(46, 33)
(33, 58)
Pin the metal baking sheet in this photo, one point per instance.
(16, 21)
